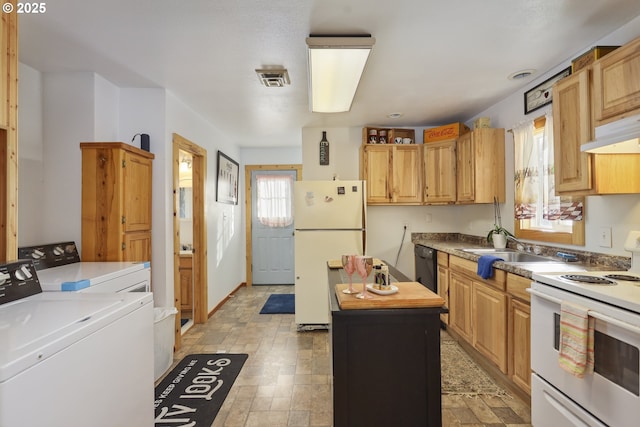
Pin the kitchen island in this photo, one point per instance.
(386, 361)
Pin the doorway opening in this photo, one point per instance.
(255, 257)
(189, 237)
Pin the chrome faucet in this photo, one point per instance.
(519, 245)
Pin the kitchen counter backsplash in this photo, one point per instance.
(593, 259)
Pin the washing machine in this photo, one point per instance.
(60, 269)
(73, 359)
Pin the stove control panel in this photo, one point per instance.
(18, 280)
(50, 255)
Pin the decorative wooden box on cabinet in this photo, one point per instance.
(116, 202)
(580, 173)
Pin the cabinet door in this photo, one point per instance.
(186, 284)
(406, 174)
(572, 128)
(489, 313)
(616, 83)
(137, 246)
(377, 166)
(460, 305)
(137, 193)
(465, 169)
(440, 172)
(520, 344)
(443, 289)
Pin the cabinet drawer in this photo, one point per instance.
(443, 259)
(470, 268)
(517, 285)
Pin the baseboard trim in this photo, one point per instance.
(221, 303)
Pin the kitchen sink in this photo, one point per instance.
(509, 255)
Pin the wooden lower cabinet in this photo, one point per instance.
(460, 305)
(520, 344)
(493, 316)
(443, 290)
(489, 314)
(186, 283)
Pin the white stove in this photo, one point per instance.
(618, 288)
(610, 395)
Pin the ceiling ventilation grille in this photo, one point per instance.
(274, 78)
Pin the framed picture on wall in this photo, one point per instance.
(227, 186)
(540, 95)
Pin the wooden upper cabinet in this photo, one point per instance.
(480, 169)
(407, 174)
(617, 84)
(375, 165)
(393, 173)
(440, 171)
(579, 173)
(572, 128)
(116, 202)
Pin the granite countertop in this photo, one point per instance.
(453, 246)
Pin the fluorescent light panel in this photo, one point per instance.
(335, 67)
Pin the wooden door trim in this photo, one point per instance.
(200, 280)
(247, 209)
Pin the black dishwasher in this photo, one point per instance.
(426, 261)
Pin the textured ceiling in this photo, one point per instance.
(434, 61)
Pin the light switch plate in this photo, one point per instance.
(604, 239)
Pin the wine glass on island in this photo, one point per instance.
(349, 265)
(364, 265)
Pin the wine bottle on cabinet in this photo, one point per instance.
(324, 149)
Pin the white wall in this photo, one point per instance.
(225, 228)
(30, 153)
(271, 156)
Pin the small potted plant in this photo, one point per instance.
(497, 236)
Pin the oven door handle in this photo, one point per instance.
(596, 315)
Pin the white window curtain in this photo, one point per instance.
(534, 177)
(526, 171)
(274, 200)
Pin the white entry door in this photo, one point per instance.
(272, 238)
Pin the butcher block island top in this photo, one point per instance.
(409, 295)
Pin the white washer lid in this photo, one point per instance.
(34, 328)
(80, 275)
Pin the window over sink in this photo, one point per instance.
(539, 213)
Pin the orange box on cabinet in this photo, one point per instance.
(440, 133)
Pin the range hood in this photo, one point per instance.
(621, 136)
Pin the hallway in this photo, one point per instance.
(286, 380)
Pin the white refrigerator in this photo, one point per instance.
(329, 221)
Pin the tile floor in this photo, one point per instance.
(286, 380)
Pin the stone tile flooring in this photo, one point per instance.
(286, 380)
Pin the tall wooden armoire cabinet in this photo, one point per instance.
(116, 202)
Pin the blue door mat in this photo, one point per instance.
(279, 304)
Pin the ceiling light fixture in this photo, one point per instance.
(336, 64)
(395, 115)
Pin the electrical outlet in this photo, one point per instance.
(406, 225)
(428, 218)
(604, 237)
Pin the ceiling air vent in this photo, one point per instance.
(274, 78)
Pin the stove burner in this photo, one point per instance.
(588, 279)
(624, 277)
